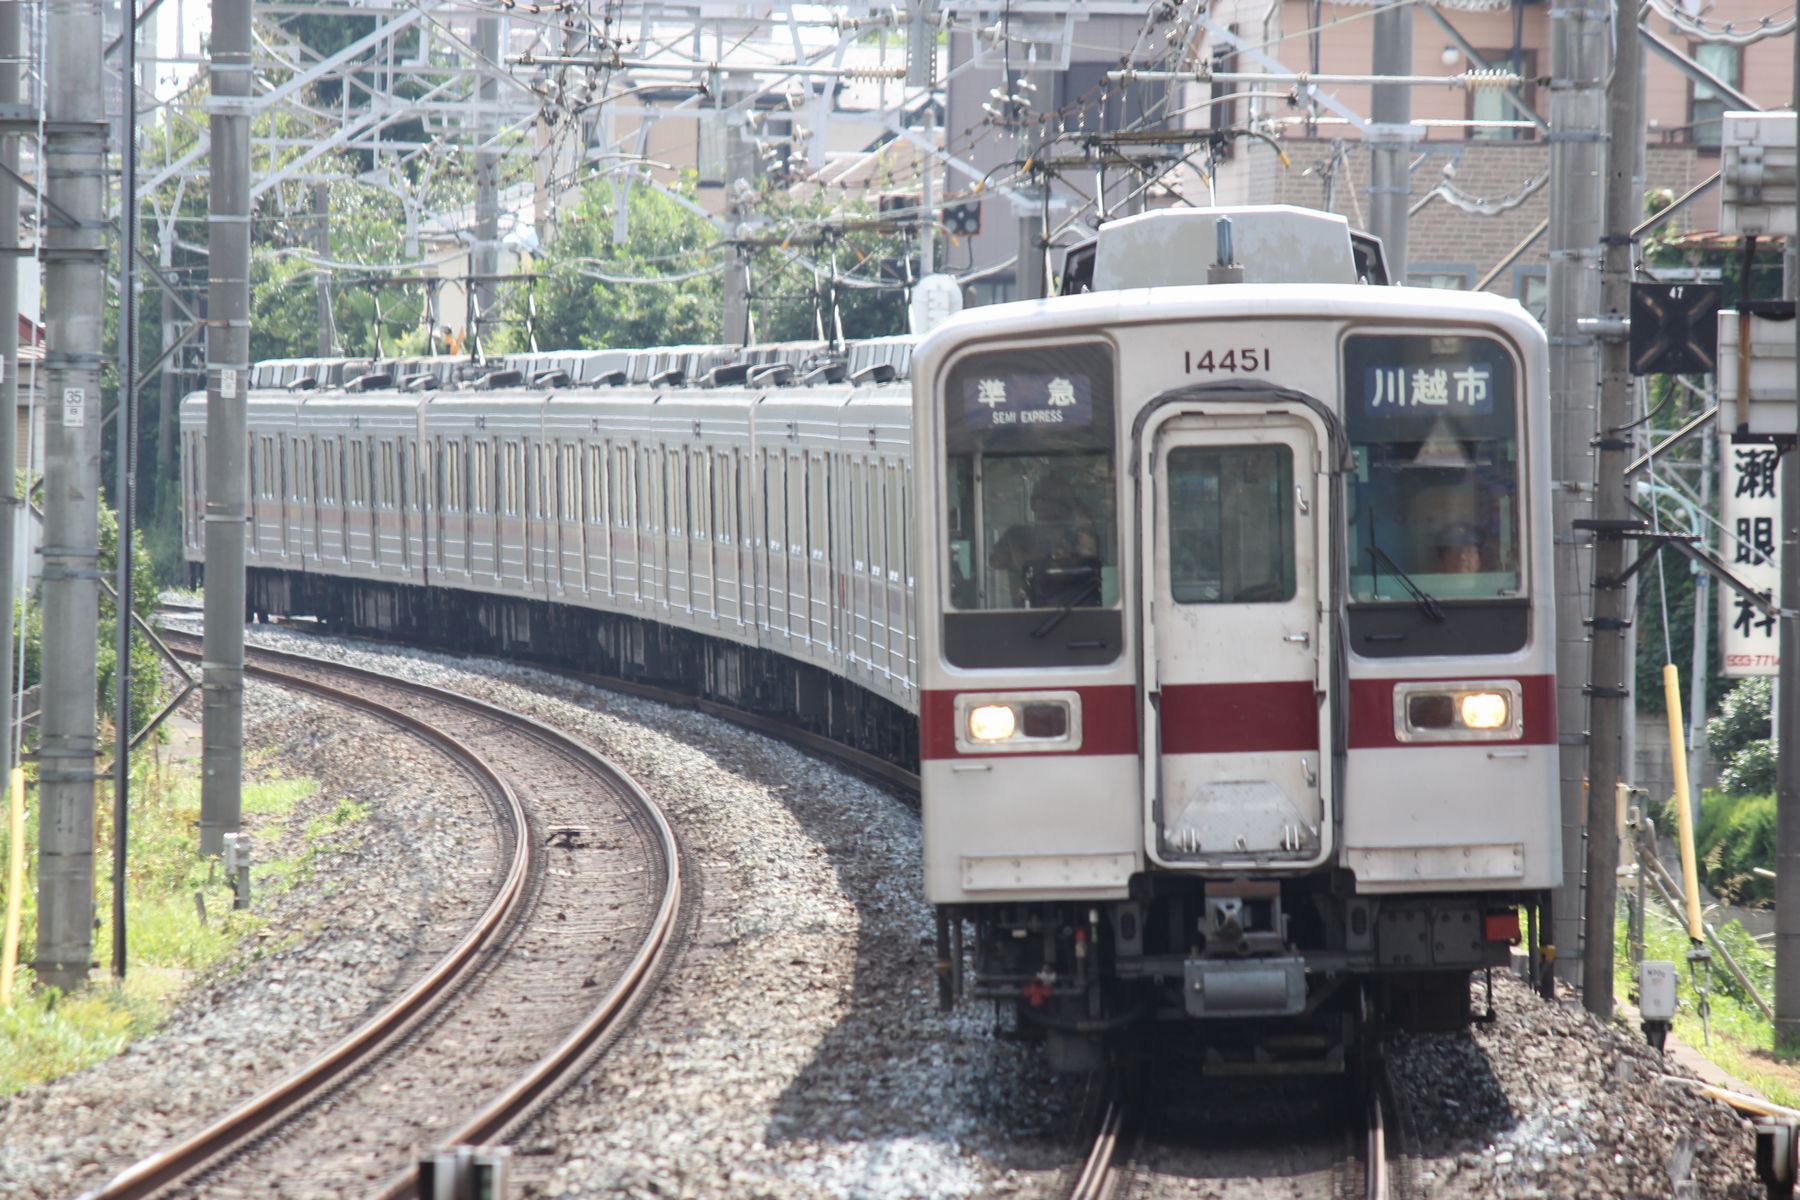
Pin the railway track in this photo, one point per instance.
(1152, 1144)
(586, 908)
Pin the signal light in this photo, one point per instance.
(963, 220)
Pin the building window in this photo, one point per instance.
(1705, 106)
(1491, 104)
(1456, 277)
(1224, 113)
(1531, 288)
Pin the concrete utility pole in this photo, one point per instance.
(321, 198)
(1578, 56)
(486, 258)
(125, 486)
(1609, 676)
(227, 449)
(921, 72)
(1034, 281)
(1391, 136)
(734, 318)
(74, 153)
(174, 380)
(11, 70)
(1787, 745)
(738, 168)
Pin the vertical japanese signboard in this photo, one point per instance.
(1749, 641)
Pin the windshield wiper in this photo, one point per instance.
(1427, 602)
(1077, 594)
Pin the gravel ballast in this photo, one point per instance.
(1546, 1102)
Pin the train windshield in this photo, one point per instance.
(1434, 496)
(1029, 440)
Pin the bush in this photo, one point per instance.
(1736, 833)
(1739, 740)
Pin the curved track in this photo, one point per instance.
(587, 907)
(1217, 1143)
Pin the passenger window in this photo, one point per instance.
(859, 505)
(818, 483)
(1231, 524)
(774, 500)
(796, 505)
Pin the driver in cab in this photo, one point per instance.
(1054, 559)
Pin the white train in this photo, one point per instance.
(1217, 618)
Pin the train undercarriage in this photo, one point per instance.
(1273, 976)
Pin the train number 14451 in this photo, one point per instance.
(1248, 358)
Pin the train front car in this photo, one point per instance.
(1236, 659)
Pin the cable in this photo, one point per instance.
(1734, 33)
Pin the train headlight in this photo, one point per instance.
(992, 723)
(1018, 722)
(1485, 710)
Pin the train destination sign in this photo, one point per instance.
(1016, 400)
(1406, 391)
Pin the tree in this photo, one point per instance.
(672, 259)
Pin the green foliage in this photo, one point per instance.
(578, 310)
(46, 1033)
(1736, 833)
(146, 678)
(1739, 739)
(579, 301)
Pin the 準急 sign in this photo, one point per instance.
(1749, 638)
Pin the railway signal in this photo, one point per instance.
(963, 220)
(1674, 328)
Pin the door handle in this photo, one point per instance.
(1299, 639)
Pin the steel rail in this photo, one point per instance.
(545, 1076)
(1375, 1167)
(249, 1119)
(1095, 1181)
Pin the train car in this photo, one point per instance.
(1236, 649)
(1216, 616)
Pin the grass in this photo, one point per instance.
(1736, 1036)
(47, 1033)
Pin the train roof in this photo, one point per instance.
(1142, 306)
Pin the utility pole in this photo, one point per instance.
(1034, 282)
(125, 486)
(1609, 683)
(11, 70)
(174, 380)
(227, 434)
(921, 72)
(1787, 744)
(738, 167)
(1391, 135)
(487, 182)
(321, 199)
(1580, 37)
(74, 155)
(734, 318)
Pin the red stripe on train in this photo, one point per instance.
(1372, 712)
(1220, 718)
(1109, 722)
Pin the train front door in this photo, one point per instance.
(1237, 659)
